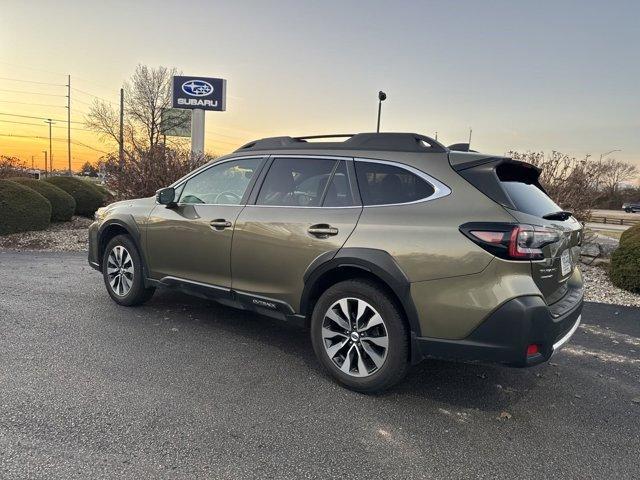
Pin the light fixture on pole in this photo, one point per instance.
(381, 98)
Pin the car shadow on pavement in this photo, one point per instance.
(455, 384)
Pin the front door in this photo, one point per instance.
(192, 241)
(305, 207)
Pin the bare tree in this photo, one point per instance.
(146, 95)
(12, 167)
(571, 183)
(142, 173)
(616, 172)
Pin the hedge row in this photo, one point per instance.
(63, 205)
(625, 261)
(29, 204)
(22, 209)
(88, 198)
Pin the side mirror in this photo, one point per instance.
(166, 196)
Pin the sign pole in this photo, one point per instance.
(197, 132)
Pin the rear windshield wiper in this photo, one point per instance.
(559, 215)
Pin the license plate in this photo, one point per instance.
(565, 262)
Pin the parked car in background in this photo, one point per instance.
(631, 207)
(391, 247)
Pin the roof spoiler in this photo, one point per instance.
(461, 147)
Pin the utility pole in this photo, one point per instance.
(121, 139)
(69, 121)
(32, 162)
(50, 153)
(45, 162)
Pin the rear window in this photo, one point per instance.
(382, 184)
(521, 185)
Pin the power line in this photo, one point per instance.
(32, 93)
(92, 95)
(39, 125)
(55, 139)
(81, 101)
(32, 81)
(31, 68)
(75, 142)
(35, 104)
(36, 118)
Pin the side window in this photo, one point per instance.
(382, 184)
(298, 182)
(339, 192)
(222, 184)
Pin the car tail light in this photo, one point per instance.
(511, 241)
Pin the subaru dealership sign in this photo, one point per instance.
(200, 93)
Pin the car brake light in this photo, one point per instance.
(509, 241)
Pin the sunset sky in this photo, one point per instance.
(544, 75)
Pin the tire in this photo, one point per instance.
(129, 288)
(366, 372)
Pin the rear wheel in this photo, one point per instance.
(360, 337)
(123, 273)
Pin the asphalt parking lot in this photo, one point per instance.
(183, 388)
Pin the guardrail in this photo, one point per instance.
(614, 220)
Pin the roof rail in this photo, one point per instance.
(313, 137)
(401, 142)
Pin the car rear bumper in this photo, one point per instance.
(505, 335)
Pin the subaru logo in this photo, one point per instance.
(197, 88)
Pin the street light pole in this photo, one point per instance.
(609, 153)
(50, 153)
(381, 98)
(45, 162)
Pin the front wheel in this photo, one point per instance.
(123, 273)
(360, 336)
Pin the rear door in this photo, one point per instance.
(305, 207)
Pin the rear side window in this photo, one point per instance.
(382, 184)
(296, 182)
(521, 185)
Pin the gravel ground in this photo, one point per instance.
(72, 237)
(598, 288)
(59, 237)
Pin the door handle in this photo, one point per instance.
(322, 230)
(220, 224)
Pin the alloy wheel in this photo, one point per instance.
(355, 337)
(120, 270)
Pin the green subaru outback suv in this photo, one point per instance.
(391, 247)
